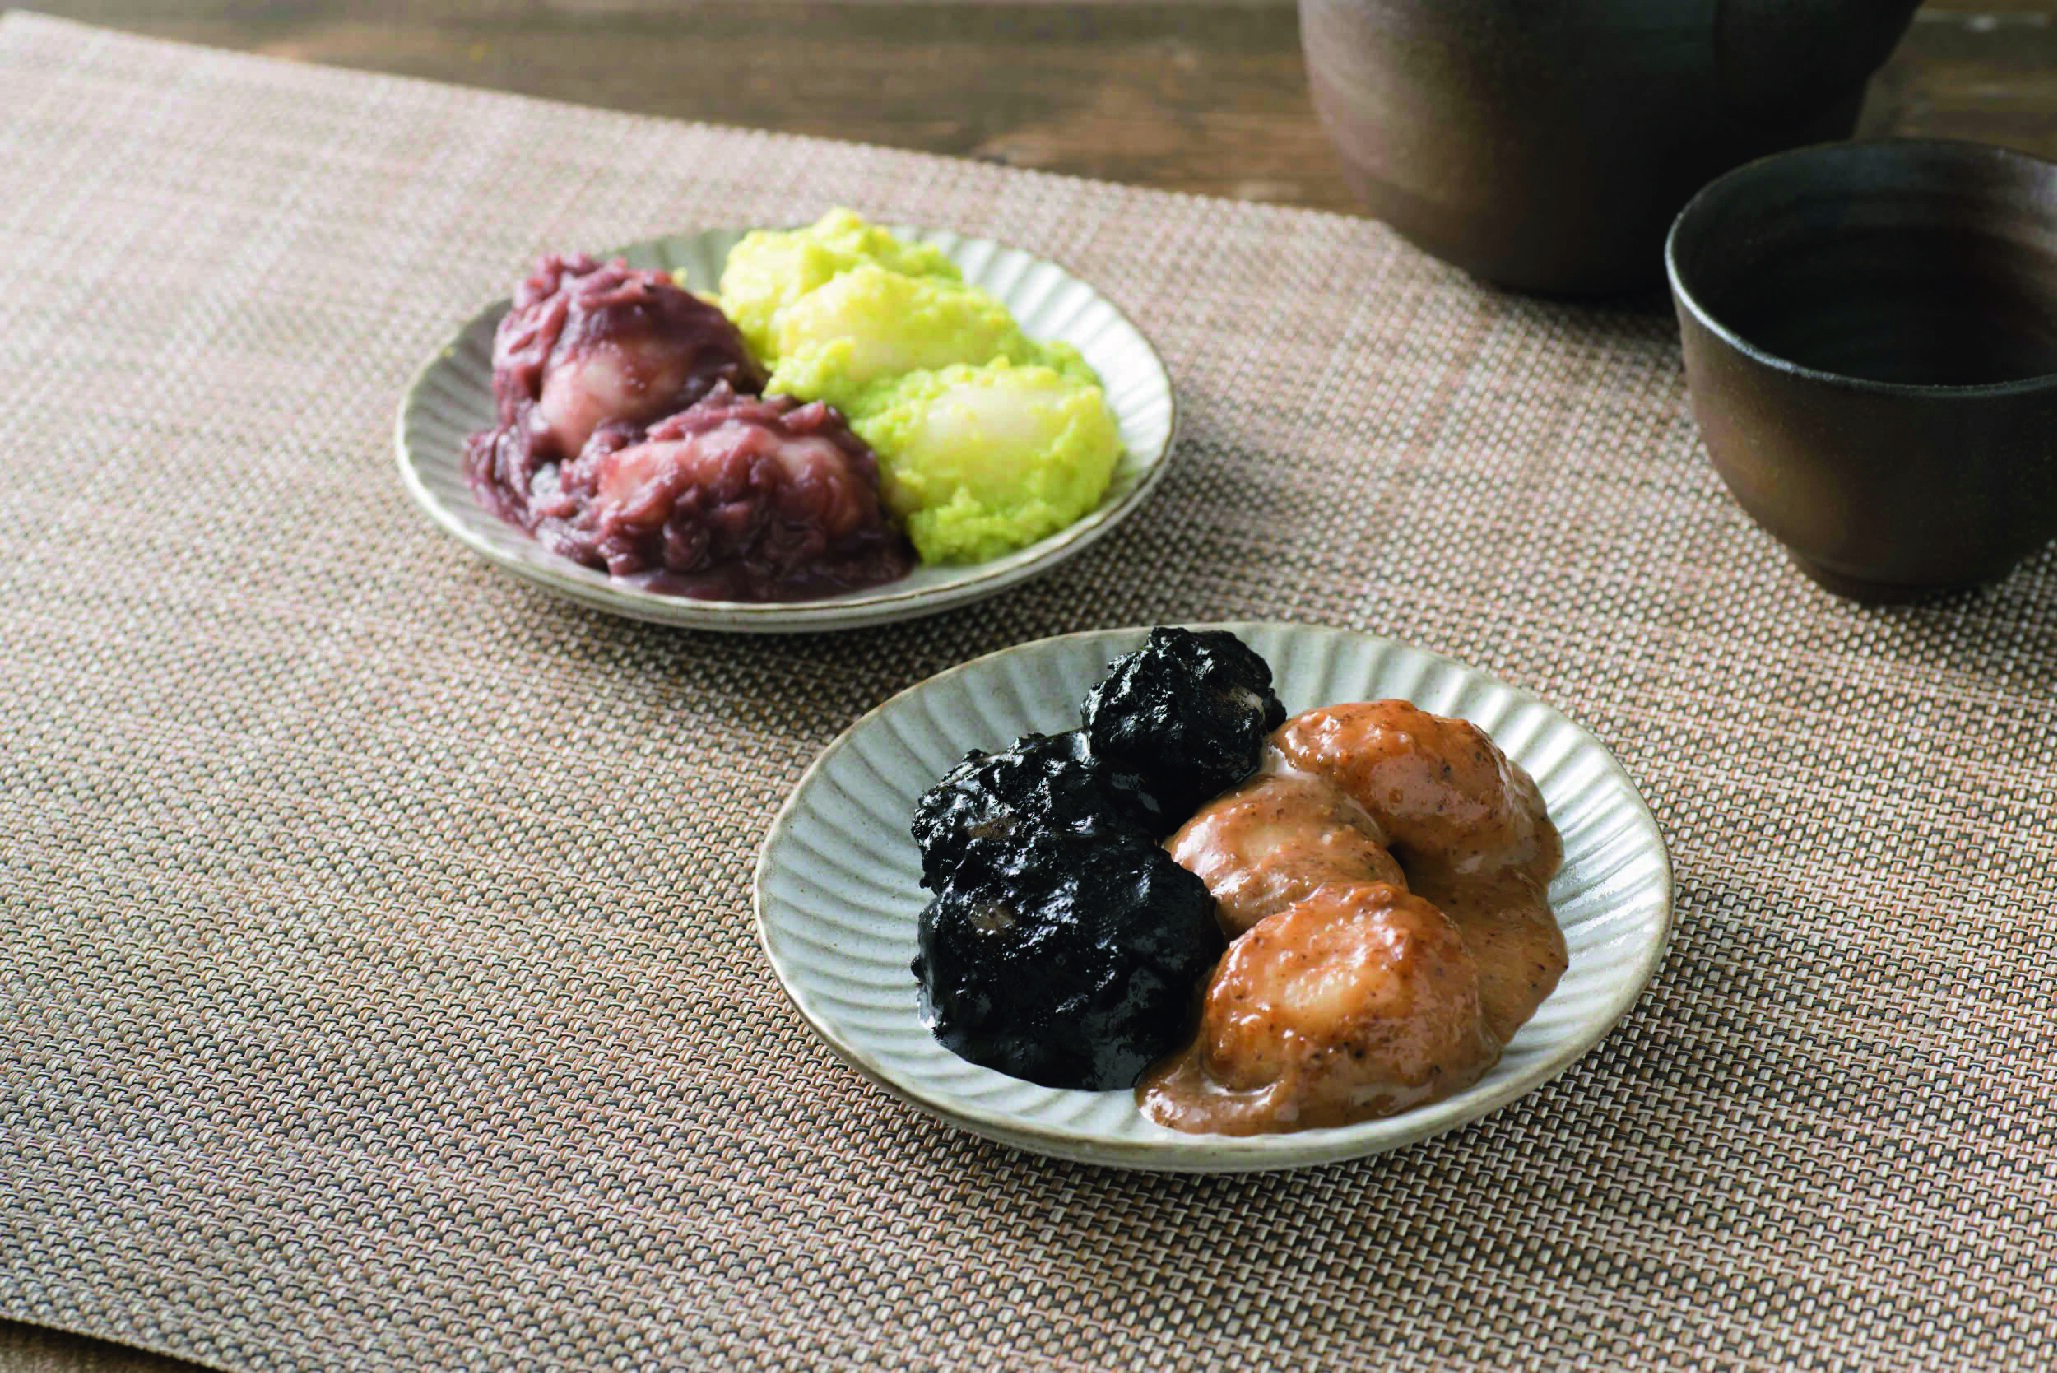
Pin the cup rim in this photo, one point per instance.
(1682, 295)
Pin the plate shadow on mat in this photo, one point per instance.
(1161, 566)
(35, 1349)
(1706, 1065)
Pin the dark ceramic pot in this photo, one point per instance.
(1546, 144)
(1871, 345)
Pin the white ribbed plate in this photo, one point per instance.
(838, 893)
(452, 397)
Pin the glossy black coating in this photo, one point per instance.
(1546, 145)
(992, 803)
(1075, 965)
(1870, 336)
(1189, 712)
(1064, 946)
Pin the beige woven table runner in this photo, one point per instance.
(377, 986)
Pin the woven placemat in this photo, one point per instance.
(377, 985)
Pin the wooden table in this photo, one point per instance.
(1199, 95)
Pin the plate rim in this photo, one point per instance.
(871, 607)
(1213, 1153)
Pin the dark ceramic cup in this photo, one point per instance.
(1871, 346)
(1546, 144)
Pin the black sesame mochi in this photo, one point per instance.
(1075, 967)
(1189, 712)
(1064, 946)
(992, 803)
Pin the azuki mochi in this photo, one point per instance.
(990, 805)
(590, 343)
(737, 497)
(1190, 712)
(630, 439)
(1075, 968)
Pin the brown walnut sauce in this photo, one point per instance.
(1383, 881)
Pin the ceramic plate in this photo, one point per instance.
(453, 397)
(838, 893)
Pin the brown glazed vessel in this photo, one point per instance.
(1546, 144)
(1871, 345)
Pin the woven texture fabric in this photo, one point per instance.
(377, 981)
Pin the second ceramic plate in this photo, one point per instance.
(838, 890)
(453, 398)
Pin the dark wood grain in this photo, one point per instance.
(1194, 96)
